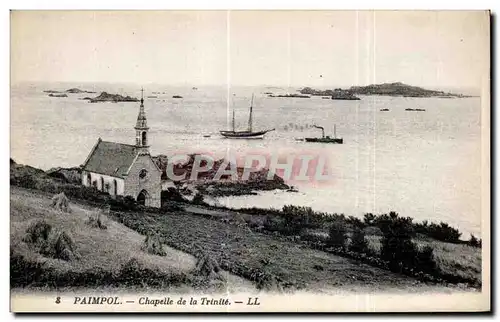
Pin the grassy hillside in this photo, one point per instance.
(107, 257)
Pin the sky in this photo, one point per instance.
(276, 48)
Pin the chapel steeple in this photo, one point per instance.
(141, 128)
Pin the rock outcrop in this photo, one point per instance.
(106, 97)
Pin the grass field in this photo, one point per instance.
(101, 251)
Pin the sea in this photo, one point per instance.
(426, 165)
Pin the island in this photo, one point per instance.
(401, 89)
(289, 95)
(57, 95)
(77, 91)
(397, 89)
(337, 94)
(415, 109)
(106, 97)
(71, 91)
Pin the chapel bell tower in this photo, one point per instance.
(141, 129)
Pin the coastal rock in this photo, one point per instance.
(58, 95)
(337, 94)
(106, 97)
(77, 91)
(340, 94)
(225, 186)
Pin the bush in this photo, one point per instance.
(358, 242)
(369, 219)
(474, 241)
(425, 258)
(398, 248)
(444, 232)
(337, 235)
(22, 271)
(298, 218)
(273, 223)
(355, 222)
(198, 199)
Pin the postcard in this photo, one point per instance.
(250, 161)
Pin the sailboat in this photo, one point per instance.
(249, 133)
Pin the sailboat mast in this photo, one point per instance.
(250, 117)
(233, 119)
(334, 131)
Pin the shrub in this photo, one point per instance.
(273, 223)
(425, 258)
(355, 222)
(172, 194)
(474, 241)
(22, 271)
(298, 218)
(444, 232)
(358, 242)
(369, 219)
(198, 199)
(398, 248)
(153, 245)
(337, 234)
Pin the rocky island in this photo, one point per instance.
(225, 186)
(77, 91)
(400, 89)
(289, 95)
(70, 91)
(57, 95)
(106, 97)
(337, 94)
(387, 89)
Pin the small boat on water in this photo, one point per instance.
(415, 109)
(384, 110)
(249, 133)
(326, 139)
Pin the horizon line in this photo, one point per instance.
(332, 86)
